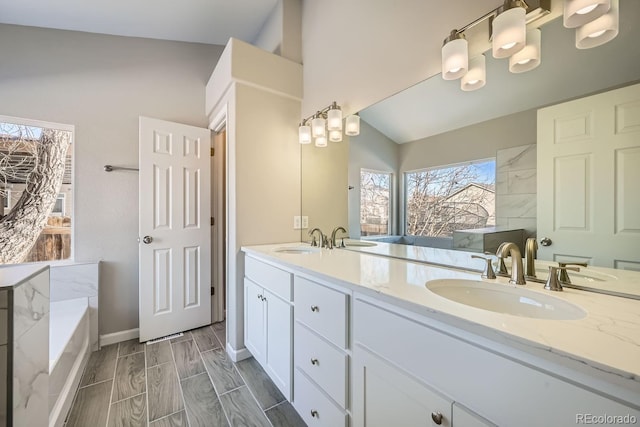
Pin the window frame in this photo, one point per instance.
(68, 128)
(391, 207)
(403, 192)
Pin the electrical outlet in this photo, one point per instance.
(297, 222)
(305, 222)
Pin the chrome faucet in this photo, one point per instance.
(530, 255)
(511, 249)
(322, 240)
(332, 241)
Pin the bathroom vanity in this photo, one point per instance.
(360, 339)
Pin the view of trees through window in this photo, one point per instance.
(439, 201)
(36, 196)
(375, 202)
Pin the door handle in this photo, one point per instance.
(546, 241)
(147, 239)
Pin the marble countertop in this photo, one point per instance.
(14, 275)
(604, 344)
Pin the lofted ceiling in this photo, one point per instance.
(199, 21)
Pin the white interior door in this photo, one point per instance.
(588, 178)
(175, 238)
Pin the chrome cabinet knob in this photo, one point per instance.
(147, 239)
(314, 361)
(545, 241)
(314, 308)
(436, 417)
(314, 413)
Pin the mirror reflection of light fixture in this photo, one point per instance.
(455, 56)
(599, 31)
(580, 12)
(352, 125)
(327, 121)
(509, 29)
(476, 77)
(529, 57)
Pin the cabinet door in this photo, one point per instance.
(463, 417)
(254, 320)
(279, 332)
(386, 396)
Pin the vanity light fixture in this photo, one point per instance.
(601, 30)
(327, 121)
(476, 77)
(529, 57)
(580, 12)
(455, 56)
(509, 29)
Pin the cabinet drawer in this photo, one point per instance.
(322, 309)
(314, 407)
(269, 277)
(322, 362)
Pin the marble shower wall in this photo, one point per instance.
(80, 280)
(516, 188)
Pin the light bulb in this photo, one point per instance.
(304, 134)
(352, 125)
(455, 56)
(334, 118)
(476, 76)
(529, 57)
(600, 30)
(335, 135)
(321, 141)
(318, 127)
(580, 12)
(509, 31)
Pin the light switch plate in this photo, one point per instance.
(297, 222)
(305, 222)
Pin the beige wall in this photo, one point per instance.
(358, 52)
(101, 84)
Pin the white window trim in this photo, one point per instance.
(392, 197)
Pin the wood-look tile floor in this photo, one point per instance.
(187, 381)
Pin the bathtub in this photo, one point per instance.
(68, 354)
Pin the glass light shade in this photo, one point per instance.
(335, 135)
(476, 77)
(455, 59)
(580, 12)
(318, 127)
(334, 120)
(304, 134)
(600, 31)
(352, 125)
(509, 32)
(321, 141)
(529, 57)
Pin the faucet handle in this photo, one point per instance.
(564, 276)
(314, 242)
(553, 282)
(488, 272)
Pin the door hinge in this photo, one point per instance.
(213, 151)
(213, 291)
(213, 221)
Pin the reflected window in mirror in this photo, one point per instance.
(447, 198)
(375, 202)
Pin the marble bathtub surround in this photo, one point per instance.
(26, 357)
(603, 347)
(79, 280)
(516, 192)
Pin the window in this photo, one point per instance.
(441, 200)
(375, 202)
(37, 152)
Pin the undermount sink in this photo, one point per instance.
(504, 299)
(297, 250)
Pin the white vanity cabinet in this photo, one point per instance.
(399, 354)
(268, 319)
(321, 374)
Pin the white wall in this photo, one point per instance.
(101, 84)
(358, 52)
(282, 31)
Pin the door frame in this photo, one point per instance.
(218, 305)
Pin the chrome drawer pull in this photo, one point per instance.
(314, 308)
(314, 361)
(314, 413)
(436, 417)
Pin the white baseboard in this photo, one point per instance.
(120, 336)
(238, 355)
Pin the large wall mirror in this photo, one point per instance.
(434, 124)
